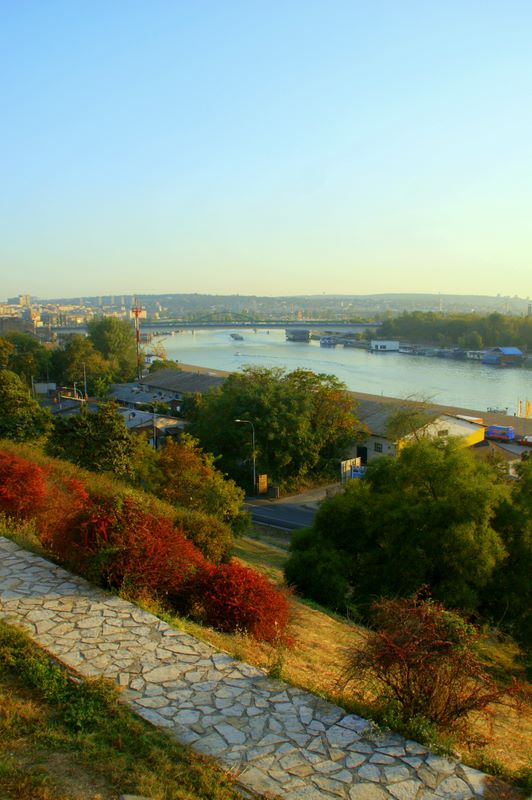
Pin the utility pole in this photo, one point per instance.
(254, 457)
(137, 311)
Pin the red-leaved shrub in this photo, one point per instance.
(22, 486)
(66, 502)
(113, 540)
(232, 597)
(424, 661)
(108, 536)
(147, 552)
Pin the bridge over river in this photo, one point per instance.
(333, 326)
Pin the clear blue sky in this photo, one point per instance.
(265, 146)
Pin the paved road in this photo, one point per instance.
(286, 516)
(289, 513)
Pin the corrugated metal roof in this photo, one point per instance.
(376, 414)
(182, 382)
(521, 425)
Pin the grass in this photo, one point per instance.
(73, 740)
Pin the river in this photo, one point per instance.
(448, 382)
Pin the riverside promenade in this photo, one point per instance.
(275, 739)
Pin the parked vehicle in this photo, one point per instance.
(500, 433)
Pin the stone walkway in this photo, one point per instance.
(276, 739)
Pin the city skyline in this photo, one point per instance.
(225, 148)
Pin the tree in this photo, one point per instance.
(6, 348)
(158, 364)
(508, 596)
(79, 360)
(28, 357)
(99, 442)
(186, 476)
(302, 422)
(21, 417)
(423, 517)
(114, 339)
(412, 420)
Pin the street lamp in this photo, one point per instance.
(249, 422)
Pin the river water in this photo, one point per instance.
(457, 383)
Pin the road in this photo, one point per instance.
(287, 516)
(289, 513)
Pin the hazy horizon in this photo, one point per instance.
(266, 149)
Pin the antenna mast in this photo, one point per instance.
(136, 312)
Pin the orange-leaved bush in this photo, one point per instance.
(22, 486)
(233, 597)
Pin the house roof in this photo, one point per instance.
(521, 424)
(132, 394)
(376, 414)
(172, 380)
(487, 448)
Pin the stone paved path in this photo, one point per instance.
(276, 738)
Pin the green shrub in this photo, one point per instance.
(212, 537)
(317, 572)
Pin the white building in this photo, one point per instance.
(384, 346)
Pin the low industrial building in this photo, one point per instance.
(378, 414)
(166, 386)
(384, 346)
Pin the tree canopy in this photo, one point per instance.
(79, 360)
(114, 339)
(99, 441)
(187, 476)
(26, 356)
(470, 331)
(423, 517)
(508, 598)
(302, 422)
(21, 417)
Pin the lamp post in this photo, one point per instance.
(249, 422)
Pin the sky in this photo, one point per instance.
(265, 147)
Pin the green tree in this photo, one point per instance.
(99, 442)
(508, 596)
(187, 476)
(423, 517)
(302, 422)
(411, 420)
(158, 364)
(6, 348)
(21, 417)
(115, 340)
(28, 358)
(79, 360)
(471, 341)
